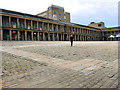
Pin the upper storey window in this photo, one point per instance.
(60, 19)
(54, 15)
(59, 13)
(99, 25)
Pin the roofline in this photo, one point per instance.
(43, 18)
(41, 12)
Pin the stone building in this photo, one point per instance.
(21, 26)
(56, 13)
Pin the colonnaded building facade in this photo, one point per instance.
(51, 25)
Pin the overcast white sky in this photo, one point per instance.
(82, 11)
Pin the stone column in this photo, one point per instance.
(38, 36)
(31, 24)
(83, 38)
(67, 37)
(52, 27)
(10, 32)
(77, 31)
(43, 28)
(78, 37)
(61, 37)
(25, 35)
(9, 21)
(32, 35)
(25, 22)
(18, 35)
(75, 38)
(48, 27)
(17, 22)
(43, 36)
(48, 36)
(1, 34)
(37, 25)
(53, 37)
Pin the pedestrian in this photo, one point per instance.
(71, 39)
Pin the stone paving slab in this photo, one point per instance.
(49, 72)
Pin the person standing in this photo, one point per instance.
(71, 40)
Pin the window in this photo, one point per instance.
(59, 13)
(60, 19)
(99, 25)
(54, 15)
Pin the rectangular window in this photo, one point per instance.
(99, 25)
(60, 19)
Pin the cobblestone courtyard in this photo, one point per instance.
(35, 64)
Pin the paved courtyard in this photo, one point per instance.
(35, 64)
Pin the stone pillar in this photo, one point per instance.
(32, 35)
(43, 28)
(37, 25)
(48, 27)
(43, 36)
(77, 31)
(48, 36)
(83, 38)
(31, 24)
(78, 37)
(26, 35)
(1, 34)
(18, 35)
(75, 38)
(53, 37)
(25, 22)
(10, 32)
(61, 37)
(67, 37)
(9, 21)
(17, 22)
(52, 27)
(38, 36)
